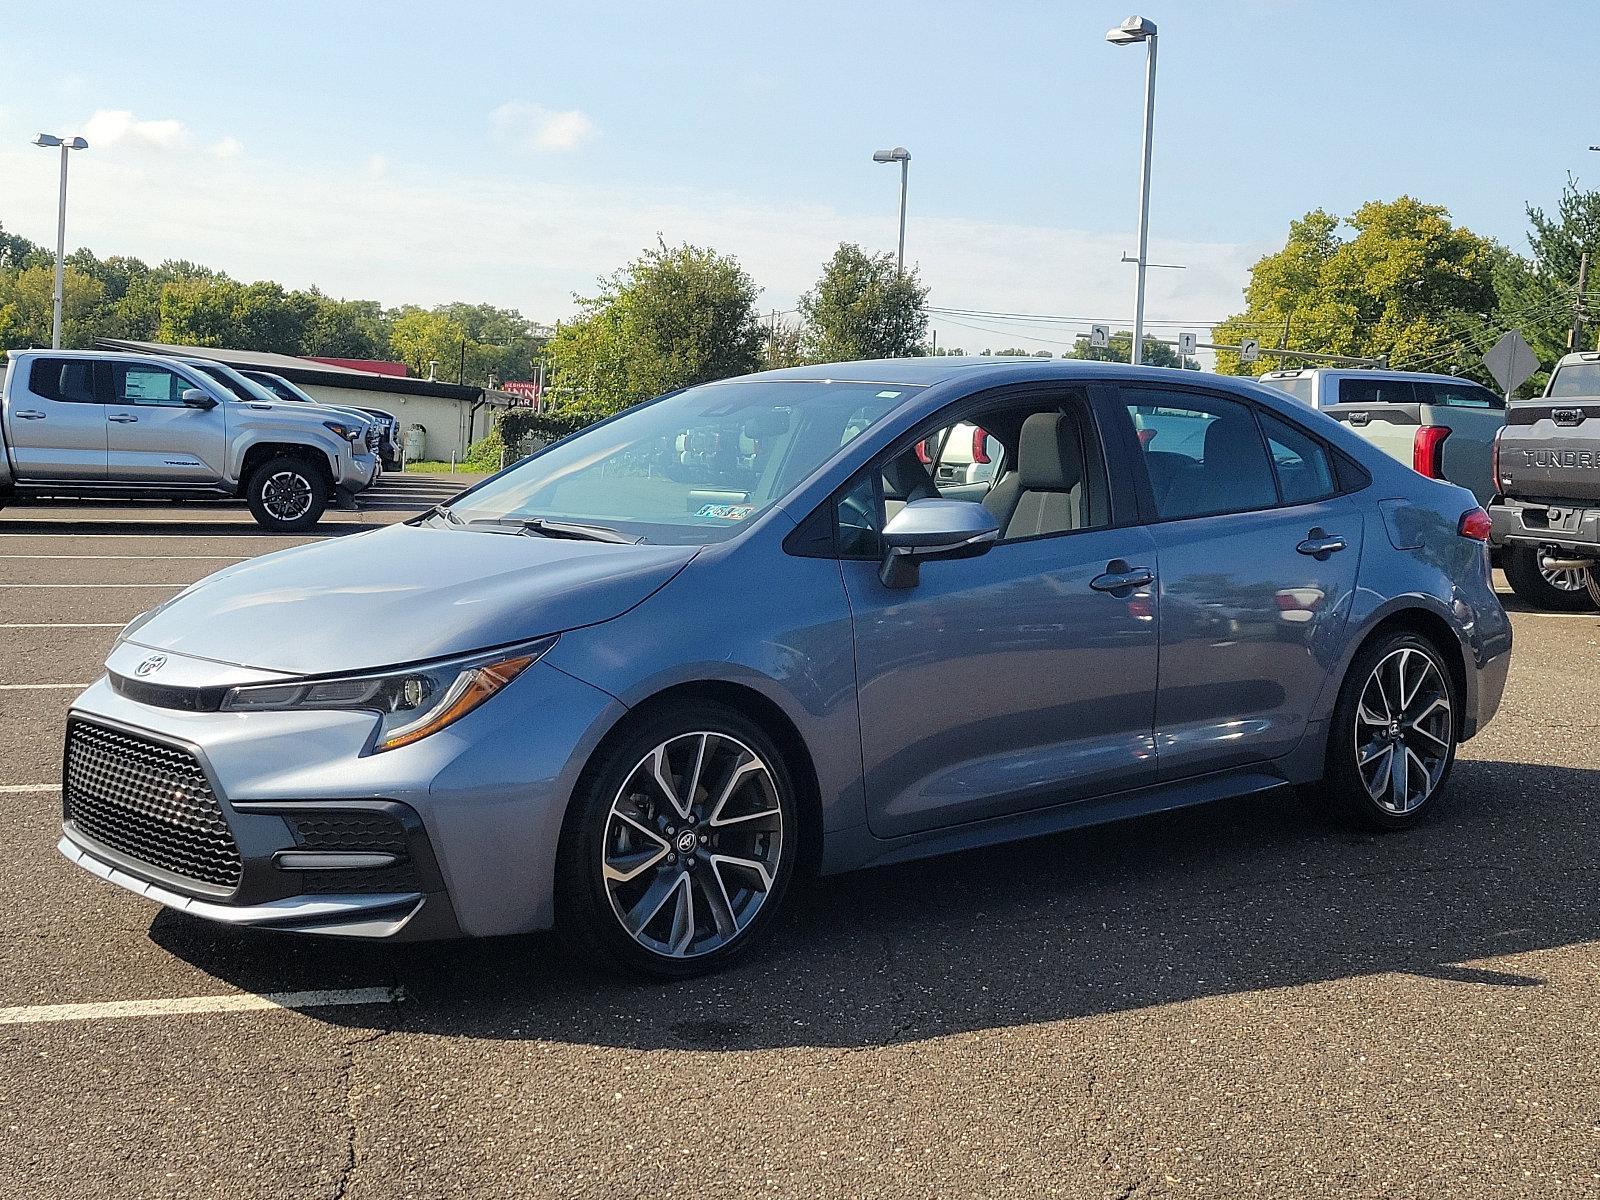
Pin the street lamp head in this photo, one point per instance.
(47, 140)
(50, 141)
(898, 154)
(76, 143)
(1132, 31)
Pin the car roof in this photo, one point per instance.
(1587, 356)
(984, 370)
(1376, 372)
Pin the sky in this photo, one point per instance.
(514, 152)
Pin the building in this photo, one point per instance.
(452, 416)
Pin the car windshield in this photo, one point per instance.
(1576, 379)
(244, 389)
(281, 388)
(692, 467)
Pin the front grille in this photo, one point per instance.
(149, 801)
(372, 437)
(376, 833)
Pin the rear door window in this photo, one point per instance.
(1376, 391)
(69, 380)
(1302, 464)
(1204, 454)
(1461, 395)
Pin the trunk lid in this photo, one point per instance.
(1551, 449)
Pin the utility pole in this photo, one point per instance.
(1576, 332)
(461, 372)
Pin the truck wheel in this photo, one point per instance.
(287, 495)
(1554, 591)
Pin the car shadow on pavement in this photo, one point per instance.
(1256, 893)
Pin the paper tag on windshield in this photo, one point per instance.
(727, 512)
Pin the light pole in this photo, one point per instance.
(902, 156)
(47, 141)
(1131, 32)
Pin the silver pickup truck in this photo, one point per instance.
(1440, 426)
(95, 423)
(1546, 517)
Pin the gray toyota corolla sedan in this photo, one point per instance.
(632, 685)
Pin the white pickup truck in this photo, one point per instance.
(1441, 426)
(95, 423)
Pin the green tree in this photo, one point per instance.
(345, 328)
(862, 307)
(28, 297)
(1156, 354)
(674, 317)
(1407, 284)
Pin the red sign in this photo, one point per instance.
(526, 389)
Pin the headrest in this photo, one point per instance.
(1048, 459)
(1232, 443)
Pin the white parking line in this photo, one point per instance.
(40, 687)
(315, 537)
(93, 585)
(64, 625)
(35, 1014)
(16, 788)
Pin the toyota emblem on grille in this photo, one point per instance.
(150, 665)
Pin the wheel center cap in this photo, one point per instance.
(686, 842)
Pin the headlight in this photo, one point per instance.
(410, 704)
(348, 433)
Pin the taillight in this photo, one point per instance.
(1427, 451)
(1475, 524)
(923, 457)
(1146, 436)
(1494, 461)
(980, 446)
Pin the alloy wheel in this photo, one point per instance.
(286, 496)
(1565, 579)
(692, 844)
(1404, 730)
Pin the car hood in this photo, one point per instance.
(404, 594)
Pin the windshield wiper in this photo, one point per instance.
(443, 510)
(543, 527)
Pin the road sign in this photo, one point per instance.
(1099, 336)
(1511, 361)
(1249, 349)
(1186, 343)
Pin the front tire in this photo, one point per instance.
(1394, 733)
(679, 844)
(1551, 590)
(287, 495)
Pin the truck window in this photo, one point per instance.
(1461, 395)
(144, 383)
(1576, 379)
(1376, 391)
(67, 379)
(1298, 386)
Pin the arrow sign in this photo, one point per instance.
(1099, 336)
(1249, 349)
(1511, 361)
(1186, 344)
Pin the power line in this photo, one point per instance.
(1059, 318)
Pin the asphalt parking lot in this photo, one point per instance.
(1248, 999)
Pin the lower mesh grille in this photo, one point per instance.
(149, 801)
(357, 832)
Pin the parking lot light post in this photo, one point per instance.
(48, 141)
(902, 156)
(1131, 32)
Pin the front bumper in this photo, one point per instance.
(1556, 524)
(481, 803)
(357, 471)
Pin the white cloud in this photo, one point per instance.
(112, 127)
(377, 166)
(356, 230)
(228, 147)
(535, 127)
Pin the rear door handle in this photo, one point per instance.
(30, 414)
(1120, 577)
(1319, 543)
(123, 419)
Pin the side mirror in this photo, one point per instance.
(195, 398)
(934, 529)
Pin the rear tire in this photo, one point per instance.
(1394, 734)
(1551, 591)
(287, 494)
(674, 883)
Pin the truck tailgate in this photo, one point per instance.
(1551, 449)
(1392, 428)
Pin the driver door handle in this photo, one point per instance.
(30, 414)
(1320, 543)
(1120, 577)
(123, 419)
